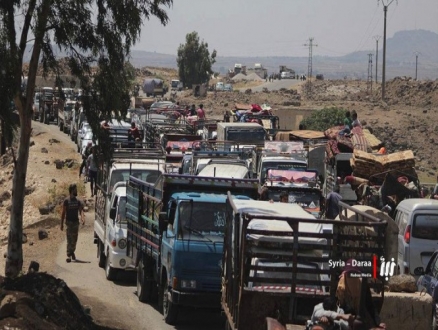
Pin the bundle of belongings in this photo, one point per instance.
(247, 112)
(342, 140)
(381, 180)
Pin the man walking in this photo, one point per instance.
(92, 169)
(71, 209)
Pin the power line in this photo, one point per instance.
(370, 73)
(377, 38)
(416, 64)
(309, 66)
(386, 4)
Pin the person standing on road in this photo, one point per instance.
(71, 209)
(92, 169)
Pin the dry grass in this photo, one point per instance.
(247, 84)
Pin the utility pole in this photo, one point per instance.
(386, 4)
(416, 64)
(370, 74)
(377, 38)
(309, 66)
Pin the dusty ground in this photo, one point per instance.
(408, 119)
(38, 300)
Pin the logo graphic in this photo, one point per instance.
(387, 268)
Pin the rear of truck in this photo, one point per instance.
(177, 238)
(278, 261)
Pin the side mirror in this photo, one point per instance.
(162, 221)
(112, 213)
(169, 232)
(419, 271)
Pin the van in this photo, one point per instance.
(286, 75)
(417, 221)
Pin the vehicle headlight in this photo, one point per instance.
(122, 243)
(188, 284)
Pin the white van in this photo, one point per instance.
(417, 220)
(286, 75)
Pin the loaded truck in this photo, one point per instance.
(243, 133)
(175, 237)
(110, 217)
(280, 261)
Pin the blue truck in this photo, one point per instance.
(176, 235)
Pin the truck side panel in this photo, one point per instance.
(142, 216)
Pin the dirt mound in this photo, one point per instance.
(41, 301)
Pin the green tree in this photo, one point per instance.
(194, 61)
(90, 32)
(321, 120)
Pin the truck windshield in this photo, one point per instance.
(150, 176)
(308, 200)
(246, 136)
(200, 219)
(275, 165)
(121, 210)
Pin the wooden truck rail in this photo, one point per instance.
(285, 291)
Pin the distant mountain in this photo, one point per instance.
(400, 59)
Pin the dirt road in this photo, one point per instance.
(112, 304)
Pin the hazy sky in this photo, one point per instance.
(282, 27)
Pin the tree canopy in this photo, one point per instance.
(194, 61)
(96, 36)
(321, 120)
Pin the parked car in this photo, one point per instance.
(417, 220)
(83, 129)
(228, 88)
(157, 106)
(428, 281)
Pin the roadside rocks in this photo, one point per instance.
(8, 306)
(61, 163)
(46, 209)
(402, 283)
(44, 150)
(4, 196)
(42, 234)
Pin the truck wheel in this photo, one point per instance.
(144, 287)
(170, 310)
(101, 255)
(61, 126)
(110, 272)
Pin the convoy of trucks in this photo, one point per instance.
(211, 234)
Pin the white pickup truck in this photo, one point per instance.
(109, 224)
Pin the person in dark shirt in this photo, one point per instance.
(71, 209)
(133, 135)
(332, 204)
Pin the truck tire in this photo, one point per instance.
(170, 310)
(101, 254)
(61, 126)
(110, 272)
(144, 287)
